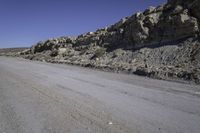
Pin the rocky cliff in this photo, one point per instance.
(161, 42)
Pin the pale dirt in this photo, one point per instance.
(38, 97)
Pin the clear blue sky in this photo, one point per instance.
(25, 22)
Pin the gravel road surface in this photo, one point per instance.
(38, 97)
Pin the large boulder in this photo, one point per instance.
(192, 5)
(135, 31)
(195, 8)
(173, 25)
(62, 51)
(186, 25)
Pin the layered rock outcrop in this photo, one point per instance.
(161, 42)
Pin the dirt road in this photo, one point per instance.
(39, 97)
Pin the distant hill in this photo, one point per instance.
(12, 51)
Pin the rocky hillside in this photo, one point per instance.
(161, 42)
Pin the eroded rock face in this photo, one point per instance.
(195, 9)
(176, 27)
(175, 20)
(161, 42)
(192, 5)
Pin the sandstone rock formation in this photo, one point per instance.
(161, 42)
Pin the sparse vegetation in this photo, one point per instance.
(99, 52)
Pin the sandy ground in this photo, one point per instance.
(39, 97)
